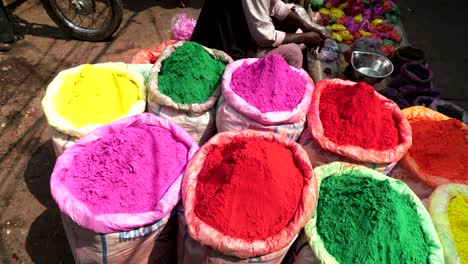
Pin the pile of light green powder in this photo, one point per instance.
(363, 220)
(190, 74)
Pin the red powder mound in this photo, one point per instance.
(249, 189)
(439, 148)
(354, 115)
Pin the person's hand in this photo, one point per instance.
(309, 28)
(313, 39)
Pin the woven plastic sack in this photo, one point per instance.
(197, 119)
(237, 248)
(149, 56)
(338, 169)
(191, 251)
(419, 188)
(438, 208)
(420, 113)
(300, 252)
(322, 150)
(234, 113)
(319, 156)
(109, 223)
(154, 243)
(59, 123)
(62, 141)
(450, 109)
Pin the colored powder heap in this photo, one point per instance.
(241, 189)
(190, 74)
(363, 220)
(439, 148)
(95, 96)
(127, 171)
(269, 84)
(354, 115)
(458, 218)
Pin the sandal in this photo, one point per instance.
(6, 46)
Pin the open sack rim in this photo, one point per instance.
(355, 152)
(337, 169)
(269, 118)
(63, 125)
(109, 223)
(421, 113)
(207, 235)
(439, 202)
(156, 98)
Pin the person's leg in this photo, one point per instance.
(6, 26)
(291, 52)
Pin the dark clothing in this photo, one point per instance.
(6, 26)
(222, 26)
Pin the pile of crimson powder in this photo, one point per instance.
(364, 220)
(354, 115)
(440, 148)
(249, 188)
(128, 171)
(190, 74)
(269, 84)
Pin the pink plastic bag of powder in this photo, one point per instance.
(235, 113)
(268, 118)
(108, 223)
(182, 27)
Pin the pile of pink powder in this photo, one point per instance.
(128, 171)
(269, 84)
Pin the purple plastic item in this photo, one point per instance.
(377, 11)
(363, 25)
(182, 27)
(395, 96)
(367, 14)
(415, 74)
(410, 92)
(355, 7)
(350, 25)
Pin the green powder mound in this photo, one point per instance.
(363, 220)
(190, 74)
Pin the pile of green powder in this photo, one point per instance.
(190, 74)
(363, 220)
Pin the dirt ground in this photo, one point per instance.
(30, 225)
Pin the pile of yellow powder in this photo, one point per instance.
(95, 96)
(458, 218)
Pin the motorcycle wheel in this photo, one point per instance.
(90, 20)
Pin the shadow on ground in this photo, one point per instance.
(141, 5)
(23, 27)
(46, 241)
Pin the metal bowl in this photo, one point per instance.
(370, 67)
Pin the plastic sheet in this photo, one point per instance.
(182, 27)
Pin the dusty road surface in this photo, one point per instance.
(30, 226)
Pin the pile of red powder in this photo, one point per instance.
(269, 84)
(249, 188)
(440, 148)
(354, 115)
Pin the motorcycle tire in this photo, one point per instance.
(100, 33)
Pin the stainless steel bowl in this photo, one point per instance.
(370, 67)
